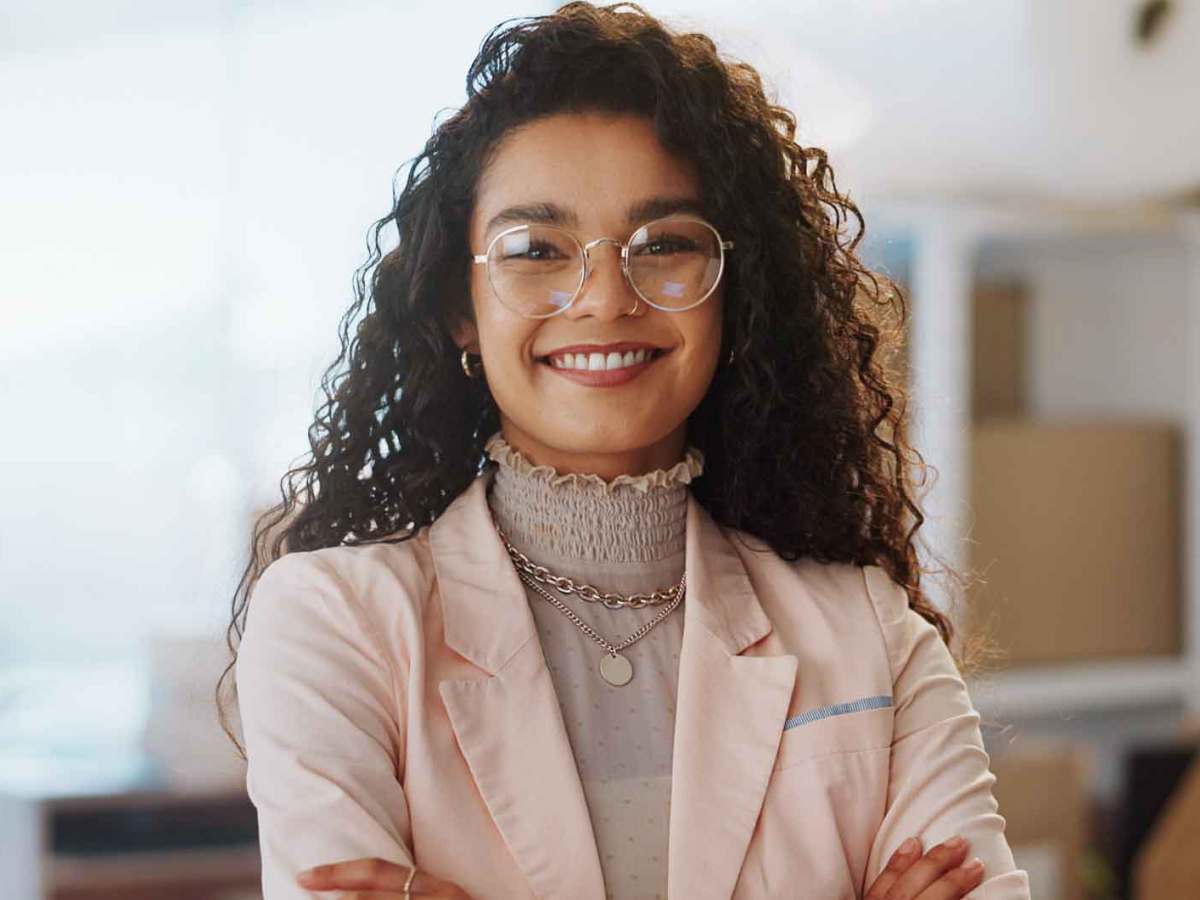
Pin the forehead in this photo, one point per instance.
(594, 164)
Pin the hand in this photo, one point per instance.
(384, 878)
(938, 875)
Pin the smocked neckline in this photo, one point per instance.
(570, 520)
(681, 473)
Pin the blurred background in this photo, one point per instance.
(186, 190)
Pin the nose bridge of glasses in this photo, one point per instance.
(590, 269)
(587, 253)
(587, 248)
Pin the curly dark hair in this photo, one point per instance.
(803, 436)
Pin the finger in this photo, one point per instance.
(906, 854)
(369, 874)
(956, 883)
(450, 892)
(928, 869)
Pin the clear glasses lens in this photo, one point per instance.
(674, 262)
(536, 269)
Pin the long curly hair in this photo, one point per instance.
(803, 435)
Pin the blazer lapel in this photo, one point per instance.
(729, 717)
(510, 725)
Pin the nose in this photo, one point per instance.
(605, 292)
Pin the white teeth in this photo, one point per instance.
(600, 362)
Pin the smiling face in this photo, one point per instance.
(601, 176)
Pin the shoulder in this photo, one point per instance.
(816, 606)
(847, 607)
(907, 635)
(806, 586)
(359, 572)
(378, 591)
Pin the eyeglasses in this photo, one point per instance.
(673, 263)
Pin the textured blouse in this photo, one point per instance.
(627, 535)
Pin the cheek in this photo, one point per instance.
(703, 334)
(505, 341)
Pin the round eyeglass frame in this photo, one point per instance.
(585, 249)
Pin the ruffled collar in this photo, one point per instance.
(630, 518)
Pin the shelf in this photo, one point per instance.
(127, 870)
(1082, 687)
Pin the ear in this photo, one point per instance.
(465, 335)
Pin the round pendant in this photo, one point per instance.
(616, 670)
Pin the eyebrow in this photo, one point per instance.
(545, 213)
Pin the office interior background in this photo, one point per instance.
(186, 190)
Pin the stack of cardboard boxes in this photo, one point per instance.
(1074, 525)
(1073, 535)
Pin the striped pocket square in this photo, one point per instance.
(838, 709)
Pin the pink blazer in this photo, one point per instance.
(395, 702)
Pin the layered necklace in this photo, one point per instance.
(616, 669)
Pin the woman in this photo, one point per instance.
(619, 359)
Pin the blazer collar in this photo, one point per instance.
(730, 710)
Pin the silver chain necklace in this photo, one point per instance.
(616, 669)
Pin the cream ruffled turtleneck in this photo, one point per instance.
(626, 535)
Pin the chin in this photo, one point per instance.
(601, 442)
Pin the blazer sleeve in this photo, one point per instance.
(940, 781)
(319, 706)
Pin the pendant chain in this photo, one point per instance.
(590, 632)
(614, 668)
(565, 585)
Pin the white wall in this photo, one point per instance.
(186, 191)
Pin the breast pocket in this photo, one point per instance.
(856, 725)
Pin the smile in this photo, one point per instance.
(601, 369)
(594, 362)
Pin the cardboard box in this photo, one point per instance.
(1000, 351)
(1043, 797)
(1074, 536)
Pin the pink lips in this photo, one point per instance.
(604, 377)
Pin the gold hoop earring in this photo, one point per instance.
(472, 372)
